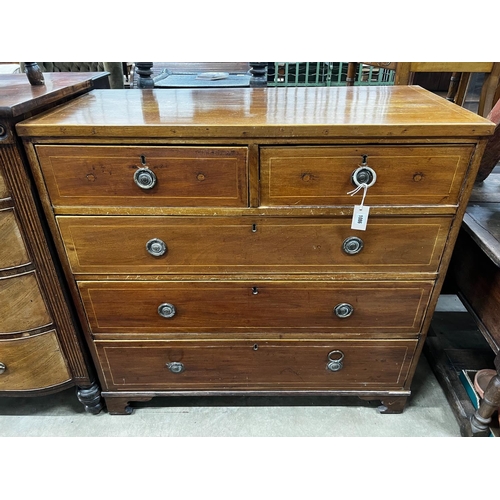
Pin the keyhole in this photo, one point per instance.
(255, 347)
(254, 228)
(255, 290)
(143, 160)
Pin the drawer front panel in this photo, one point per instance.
(13, 251)
(323, 175)
(32, 363)
(257, 365)
(185, 176)
(238, 307)
(22, 307)
(251, 245)
(4, 192)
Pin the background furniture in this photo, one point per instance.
(187, 75)
(206, 234)
(149, 74)
(475, 277)
(41, 350)
(342, 73)
(117, 70)
(461, 72)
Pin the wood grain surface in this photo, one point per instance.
(320, 112)
(237, 307)
(32, 363)
(256, 365)
(13, 252)
(21, 304)
(250, 245)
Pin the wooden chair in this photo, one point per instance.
(491, 156)
(461, 73)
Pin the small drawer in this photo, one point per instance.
(401, 175)
(145, 176)
(259, 365)
(189, 245)
(251, 307)
(4, 192)
(22, 307)
(13, 251)
(32, 363)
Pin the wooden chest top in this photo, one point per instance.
(319, 112)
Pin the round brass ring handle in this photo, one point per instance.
(145, 178)
(352, 245)
(343, 310)
(175, 367)
(166, 310)
(364, 175)
(334, 365)
(2, 368)
(156, 247)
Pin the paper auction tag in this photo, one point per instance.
(360, 217)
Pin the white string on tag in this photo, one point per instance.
(361, 186)
(360, 213)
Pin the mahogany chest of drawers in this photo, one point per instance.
(208, 238)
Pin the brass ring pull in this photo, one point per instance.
(334, 365)
(364, 175)
(2, 368)
(166, 310)
(343, 310)
(145, 178)
(156, 247)
(352, 245)
(175, 367)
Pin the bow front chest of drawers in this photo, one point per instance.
(207, 238)
(41, 348)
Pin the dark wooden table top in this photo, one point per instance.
(322, 112)
(18, 96)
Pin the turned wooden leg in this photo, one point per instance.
(90, 397)
(479, 424)
(453, 87)
(144, 71)
(352, 68)
(258, 70)
(34, 73)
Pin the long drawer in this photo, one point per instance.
(178, 245)
(404, 175)
(145, 176)
(236, 307)
(260, 365)
(32, 363)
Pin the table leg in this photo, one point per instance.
(478, 425)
